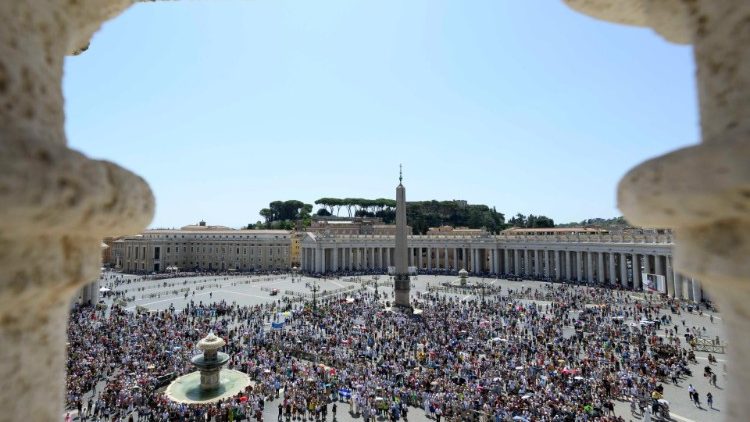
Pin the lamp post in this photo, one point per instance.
(314, 288)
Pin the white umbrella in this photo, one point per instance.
(104, 289)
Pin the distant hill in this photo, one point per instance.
(421, 215)
(604, 223)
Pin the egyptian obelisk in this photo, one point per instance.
(401, 278)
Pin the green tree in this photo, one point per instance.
(267, 214)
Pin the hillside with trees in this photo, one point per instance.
(283, 215)
(531, 222)
(421, 215)
(603, 223)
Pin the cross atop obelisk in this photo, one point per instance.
(401, 277)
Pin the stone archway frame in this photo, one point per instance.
(703, 191)
(56, 204)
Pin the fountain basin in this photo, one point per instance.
(201, 362)
(187, 388)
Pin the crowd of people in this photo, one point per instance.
(554, 353)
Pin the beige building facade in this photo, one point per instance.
(455, 231)
(203, 248)
(352, 226)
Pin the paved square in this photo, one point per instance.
(257, 290)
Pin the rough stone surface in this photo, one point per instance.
(667, 17)
(694, 186)
(56, 203)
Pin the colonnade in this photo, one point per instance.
(571, 263)
(89, 293)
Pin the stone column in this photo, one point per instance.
(689, 288)
(57, 204)
(623, 270)
(516, 262)
(335, 259)
(506, 261)
(636, 272)
(647, 264)
(579, 265)
(600, 267)
(677, 284)
(493, 259)
(568, 275)
(372, 259)
(669, 276)
(612, 269)
(455, 259)
(590, 267)
(527, 262)
(658, 268)
(697, 294)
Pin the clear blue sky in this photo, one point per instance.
(224, 106)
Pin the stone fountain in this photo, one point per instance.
(210, 383)
(209, 362)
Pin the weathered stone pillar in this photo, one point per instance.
(623, 270)
(712, 221)
(57, 204)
